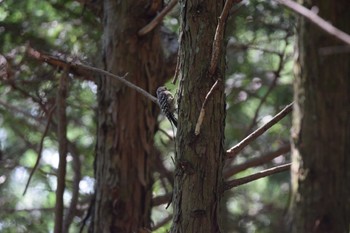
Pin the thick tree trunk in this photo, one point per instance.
(126, 120)
(199, 159)
(321, 126)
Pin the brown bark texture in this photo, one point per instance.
(199, 158)
(321, 125)
(126, 120)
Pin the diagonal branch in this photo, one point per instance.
(317, 20)
(41, 145)
(237, 182)
(149, 27)
(277, 74)
(257, 161)
(85, 70)
(232, 152)
(202, 112)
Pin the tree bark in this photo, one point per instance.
(199, 159)
(126, 120)
(321, 126)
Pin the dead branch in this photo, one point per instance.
(82, 70)
(317, 20)
(41, 146)
(277, 74)
(232, 152)
(202, 112)
(237, 182)
(149, 27)
(257, 161)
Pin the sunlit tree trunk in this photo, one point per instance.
(321, 125)
(126, 120)
(199, 158)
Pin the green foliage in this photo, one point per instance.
(28, 93)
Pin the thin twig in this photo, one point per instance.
(237, 182)
(17, 110)
(149, 27)
(16, 210)
(82, 69)
(41, 145)
(257, 161)
(122, 80)
(252, 47)
(232, 152)
(271, 87)
(262, 101)
(317, 20)
(171, 138)
(202, 112)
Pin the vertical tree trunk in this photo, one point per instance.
(126, 120)
(321, 126)
(199, 159)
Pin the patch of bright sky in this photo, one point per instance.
(86, 185)
(50, 157)
(91, 85)
(3, 136)
(33, 196)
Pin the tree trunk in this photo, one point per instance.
(321, 126)
(199, 159)
(126, 120)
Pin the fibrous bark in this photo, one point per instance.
(199, 158)
(321, 126)
(126, 120)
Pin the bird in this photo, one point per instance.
(167, 104)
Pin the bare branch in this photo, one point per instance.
(237, 182)
(317, 20)
(262, 101)
(16, 210)
(81, 69)
(41, 145)
(325, 51)
(251, 137)
(277, 74)
(17, 110)
(202, 112)
(252, 47)
(257, 161)
(149, 27)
